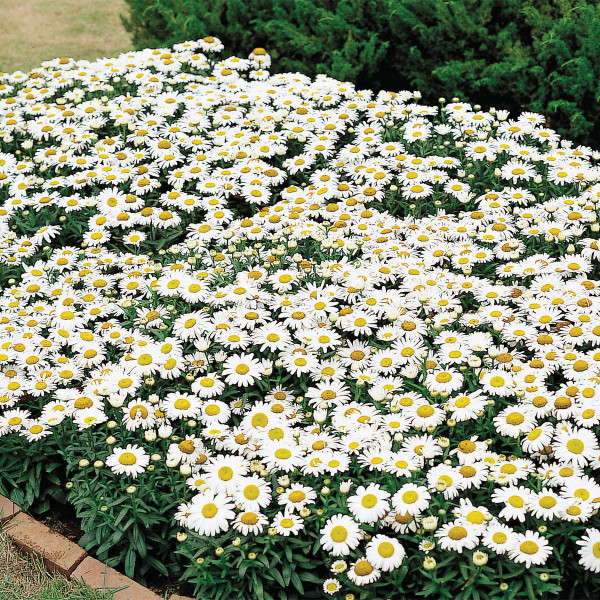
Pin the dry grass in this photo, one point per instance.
(35, 30)
(24, 577)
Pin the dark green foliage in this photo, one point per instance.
(538, 55)
(280, 569)
(28, 477)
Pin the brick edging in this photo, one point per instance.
(68, 558)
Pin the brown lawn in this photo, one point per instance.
(23, 577)
(35, 30)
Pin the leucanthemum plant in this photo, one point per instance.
(280, 337)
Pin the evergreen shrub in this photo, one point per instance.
(536, 55)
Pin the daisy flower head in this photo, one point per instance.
(474, 474)
(574, 445)
(538, 438)
(362, 572)
(131, 460)
(515, 500)
(249, 522)
(287, 524)
(296, 497)
(464, 407)
(340, 535)
(498, 537)
(138, 414)
(589, 550)
(425, 415)
(210, 513)
(514, 421)
(530, 548)
(512, 471)
(448, 380)
(446, 479)
(545, 504)
(283, 455)
(242, 370)
(331, 586)
(497, 382)
(457, 535)
(369, 504)
(411, 499)
(208, 386)
(385, 553)
(224, 473)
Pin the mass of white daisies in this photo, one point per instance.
(290, 290)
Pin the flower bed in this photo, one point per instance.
(279, 337)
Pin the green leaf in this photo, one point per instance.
(120, 517)
(297, 583)
(258, 589)
(287, 573)
(277, 575)
(130, 563)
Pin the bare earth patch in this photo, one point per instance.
(38, 30)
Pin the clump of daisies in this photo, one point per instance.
(344, 318)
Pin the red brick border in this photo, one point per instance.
(62, 555)
(8, 509)
(59, 553)
(99, 576)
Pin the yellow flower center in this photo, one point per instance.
(225, 473)
(209, 510)
(249, 518)
(297, 496)
(385, 549)
(187, 446)
(134, 410)
(339, 534)
(363, 568)
(475, 516)
(547, 501)
(457, 533)
(145, 359)
(127, 458)
(369, 501)
(182, 404)
(575, 446)
(251, 492)
(529, 547)
(515, 418)
(467, 446)
(499, 537)
(467, 471)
